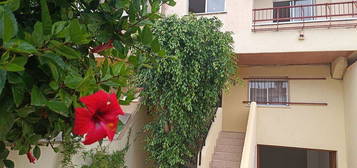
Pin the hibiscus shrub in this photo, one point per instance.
(48, 62)
(182, 93)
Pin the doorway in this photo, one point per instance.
(289, 157)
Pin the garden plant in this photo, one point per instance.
(50, 80)
(182, 91)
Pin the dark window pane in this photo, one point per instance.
(197, 6)
(281, 14)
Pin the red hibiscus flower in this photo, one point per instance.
(99, 119)
(31, 158)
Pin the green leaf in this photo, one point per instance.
(33, 139)
(5, 57)
(12, 67)
(2, 146)
(7, 117)
(21, 61)
(2, 80)
(54, 85)
(25, 111)
(37, 34)
(14, 78)
(18, 94)
(26, 128)
(9, 163)
(16, 65)
(133, 60)
(8, 24)
(171, 3)
(54, 71)
(4, 154)
(77, 33)
(65, 97)
(73, 81)
(55, 59)
(116, 68)
(36, 152)
(118, 45)
(45, 17)
(37, 98)
(20, 46)
(58, 107)
(155, 45)
(146, 35)
(58, 27)
(64, 50)
(13, 4)
(122, 4)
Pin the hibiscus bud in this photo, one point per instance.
(30, 157)
(103, 47)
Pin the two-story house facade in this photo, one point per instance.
(297, 62)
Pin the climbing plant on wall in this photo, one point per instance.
(182, 91)
(48, 62)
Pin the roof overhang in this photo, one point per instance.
(291, 58)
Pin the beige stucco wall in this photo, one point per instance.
(211, 141)
(135, 156)
(350, 95)
(238, 20)
(317, 127)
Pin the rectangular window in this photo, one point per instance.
(206, 6)
(306, 12)
(268, 92)
(281, 12)
(285, 10)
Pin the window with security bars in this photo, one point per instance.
(267, 92)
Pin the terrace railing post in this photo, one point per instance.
(326, 11)
(303, 17)
(254, 19)
(353, 13)
(330, 14)
(278, 19)
(354, 5)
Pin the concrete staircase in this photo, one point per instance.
(228, 151)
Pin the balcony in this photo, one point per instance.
(289, 16)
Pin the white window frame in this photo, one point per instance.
(293, 12)
(270, 80)
(206, 5)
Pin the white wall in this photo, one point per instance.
(350, 97)
(238, 20)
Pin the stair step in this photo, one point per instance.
(233, 135)
(230, 141)
(225, 156)
(224, 164)
(229, 148)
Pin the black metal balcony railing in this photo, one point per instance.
(298, 16)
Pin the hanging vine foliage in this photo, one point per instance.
(48, 62)
(182, 91)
